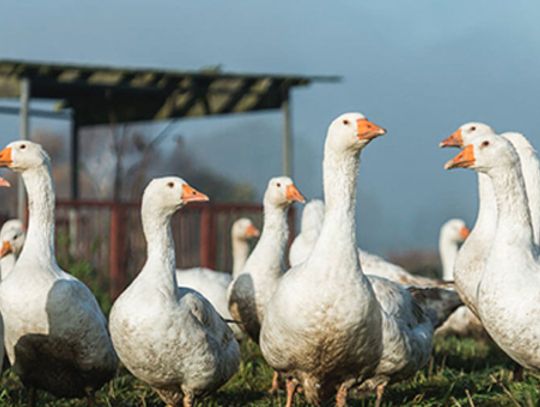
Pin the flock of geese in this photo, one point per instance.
(339, 318)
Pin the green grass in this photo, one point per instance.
(462, 372)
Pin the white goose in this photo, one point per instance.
(324, 325)
(169, 337)
(253, 287)
(312, 220)
(512, 269)
(472, 256)
(55, 333)
(12, 237)
(213, 285)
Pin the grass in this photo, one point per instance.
(462, 372)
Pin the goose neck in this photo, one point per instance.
(448, 250)
(337, 239)
(514, 219)
(40, 236)
(161, 261)
(271, 246)
(240, 252)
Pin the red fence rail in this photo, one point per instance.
(109, 236)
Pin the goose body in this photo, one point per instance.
(169, 337)
(512, 268)
(326, 325)
(213, 285)
(56, 336)
(254, 285)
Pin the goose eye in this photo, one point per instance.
(170, 184)
(473, 128)
(23, 146)
(485, 143)
(278, 184)
(346, 122)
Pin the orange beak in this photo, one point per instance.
(464, 232)
(293, 194)
(464, 159)
(6, 249)
(454, 140)
(190, 194)
(4, 182)
(5, 157)
(367, 130)
(252, 231)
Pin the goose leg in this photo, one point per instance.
(90, 397)
(275, 383)
(380, 392)
(187, 400)
(291, 389)
(341, 396)
(32, 397)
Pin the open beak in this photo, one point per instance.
(454, 140)
(5, 157)
(4, 182)
(464, 159)
(6, 249)
(367, 130)
(190, 194)
(293, 194)
(464, 232)
(252, 232)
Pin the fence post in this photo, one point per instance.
(117, 250)
(207, 236)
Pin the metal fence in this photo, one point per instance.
(109, 236)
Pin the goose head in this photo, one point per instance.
(20, 156)
(455, 230)
(465, 134)
(168, 194)
(244, 229)
(484, 154)
(12, 237)
(281, 192)
(352, 132)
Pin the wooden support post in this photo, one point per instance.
(24, 135)
(207, 238)
(117, 250)
(73, 215)
(287, 144)
(74, 156)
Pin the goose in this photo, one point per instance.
(56, 335)
(471, 258)
(11, 240)
(213, 285)
(512, 268)
(453, 233)
(312, 219)
(252, 288)
(324, 326)
(169, 337)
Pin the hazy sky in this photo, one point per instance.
(419, 68)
